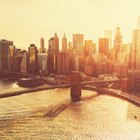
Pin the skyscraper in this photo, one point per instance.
(54, 45)
(4, 54)
(118, 40)
(42, 48)
(42, 63)
(24, 63)
(51, 49)
(12, 53)
(32, 50)
(74, 62)
(104, 46)
(89, 48)
(52, 52)
(64, 44)
(16, 66)
(51, 63)
(70, 48)
(135, 50)
(15, 58)
(63, 63)
(11, 50)
(78, 40)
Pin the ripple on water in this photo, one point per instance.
(51, 115)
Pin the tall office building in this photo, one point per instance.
(15, 58)
(24, 63)
(118, 40)
(74, 62)
(54, 45)
(70, 48)
(104, 46)
(135, 50)
(64, 44)
(12, 53)
(51, 49)
(16, 65)
(113, 55)
(89, 48)
(99, 58)
(108, 34)
(78, 44)
(63, 63)
(51, 64)
(4, 54)
(89, 67)
(42, 63)
(42, 48)
(32, 51)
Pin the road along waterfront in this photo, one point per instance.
(51, 115)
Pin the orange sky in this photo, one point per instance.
(26, 21)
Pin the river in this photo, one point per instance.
(50, 115)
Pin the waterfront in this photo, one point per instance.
(51, 115)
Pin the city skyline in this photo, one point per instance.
(27, 21)
(70, 69)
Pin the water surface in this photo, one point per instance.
(50, 115)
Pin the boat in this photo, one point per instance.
(30, 82)
(52, 81)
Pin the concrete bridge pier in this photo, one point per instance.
(76, 86)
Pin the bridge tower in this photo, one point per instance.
(76, 86)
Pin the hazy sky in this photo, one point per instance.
(26, 21)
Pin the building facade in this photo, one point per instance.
(5, 54)
(42, 46)
(89, 48)
(135, 50)
(104, 46)
(118, 40)
(33, 65)
(53, 45)
(78, 47)
(42, 63)
(63, 63)
(64, 44)
(24, 63)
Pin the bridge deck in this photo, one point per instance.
(117, 93)
(98, 82)
(29, 90)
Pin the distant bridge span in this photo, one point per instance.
(15, 73)
(29, 90)
(75, 87)
(99, 82)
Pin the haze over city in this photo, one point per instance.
(25, 21)
(70, 69)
